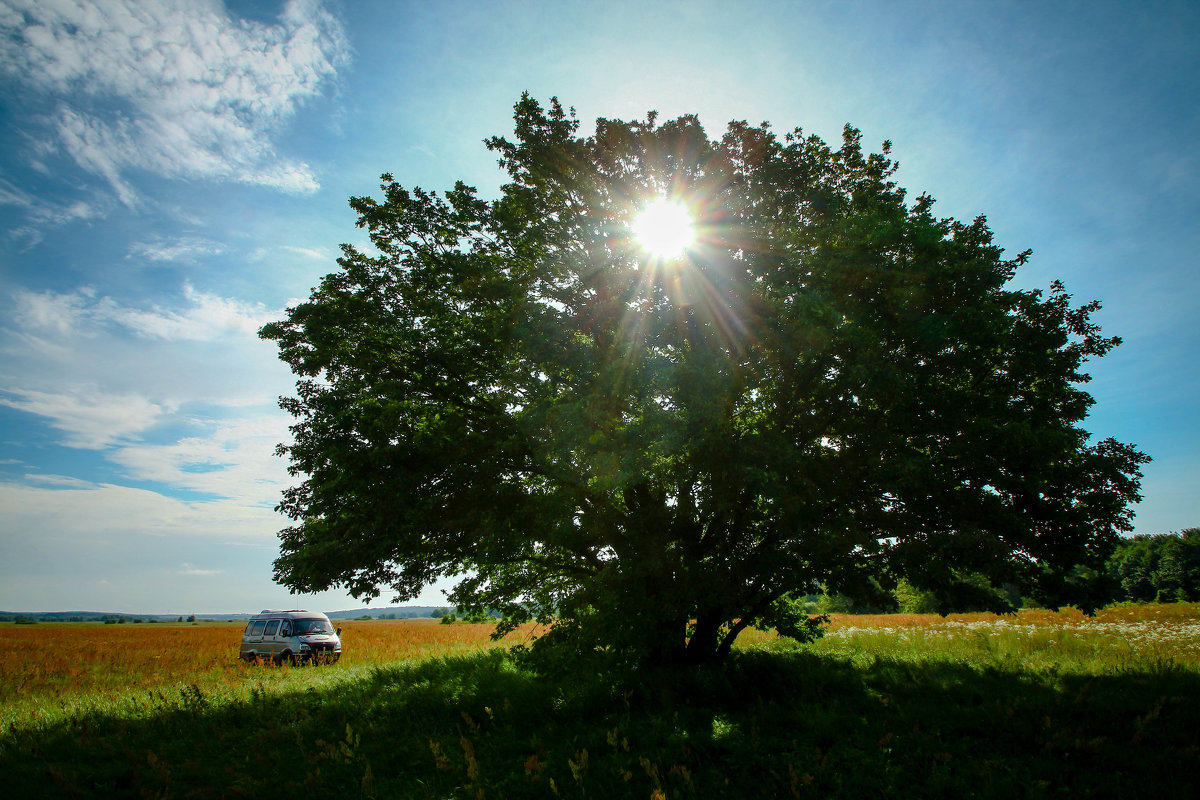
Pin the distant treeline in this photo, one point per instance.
(1163, 569)
(1159, 568)
(398, 612)
(95, 616)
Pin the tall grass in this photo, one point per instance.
(1116, 640)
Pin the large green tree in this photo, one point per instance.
(830, 387)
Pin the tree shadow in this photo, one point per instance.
(766, 724)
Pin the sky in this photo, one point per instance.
(174, 173)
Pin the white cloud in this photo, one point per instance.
(236, 461)
(176, 87)
(103, 547)
(183, 396)
(188, 569)
(41, 214)
(315, 253)
(58, 481)
(205, 317)
(186, 249)
(40, 313)
(91, 420)
(98, 512)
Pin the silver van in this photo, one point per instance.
(295, 636)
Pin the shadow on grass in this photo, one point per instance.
(768, 724)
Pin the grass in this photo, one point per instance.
(1043, 705)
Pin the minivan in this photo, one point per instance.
(295, 636)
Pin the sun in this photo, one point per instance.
(664, 229)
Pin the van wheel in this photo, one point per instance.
(286, 657)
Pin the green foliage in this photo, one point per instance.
(832, 388)
(912, 600)
(789, 617)
(1159, 568)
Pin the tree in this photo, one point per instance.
(1162, 568)
(831, 387)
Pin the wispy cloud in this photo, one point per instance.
(104, 547)
(315, 253)
(107, 374)
(234, 460)
(58, 481)
(186, 249)
(175, 87)
(90, 420)
(101, 511)
(42, 215)
(205, 317)
(188, 569)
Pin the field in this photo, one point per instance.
(1038, 705)
(56, 671)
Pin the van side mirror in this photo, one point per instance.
(339, 631)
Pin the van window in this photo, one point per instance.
(256, 627)
(272, 628)
(305, 627)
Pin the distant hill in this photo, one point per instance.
(391, 612)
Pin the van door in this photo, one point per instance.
(252, 638)
(270, 639)
(286, 644)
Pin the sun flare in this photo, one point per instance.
(664, 229)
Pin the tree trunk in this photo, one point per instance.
(730, 637)
(702, 648)
(666, 646)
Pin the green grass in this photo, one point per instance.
(770, 725)
(976, 713)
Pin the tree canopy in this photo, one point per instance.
(829, 388)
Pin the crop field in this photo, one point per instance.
(1040, 704)
(53, 671)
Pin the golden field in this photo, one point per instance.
(882, 706)
(51, 670)
(54, 671)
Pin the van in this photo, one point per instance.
(296, 636)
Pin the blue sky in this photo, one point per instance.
(174, 173)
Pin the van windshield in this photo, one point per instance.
(307, 627)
